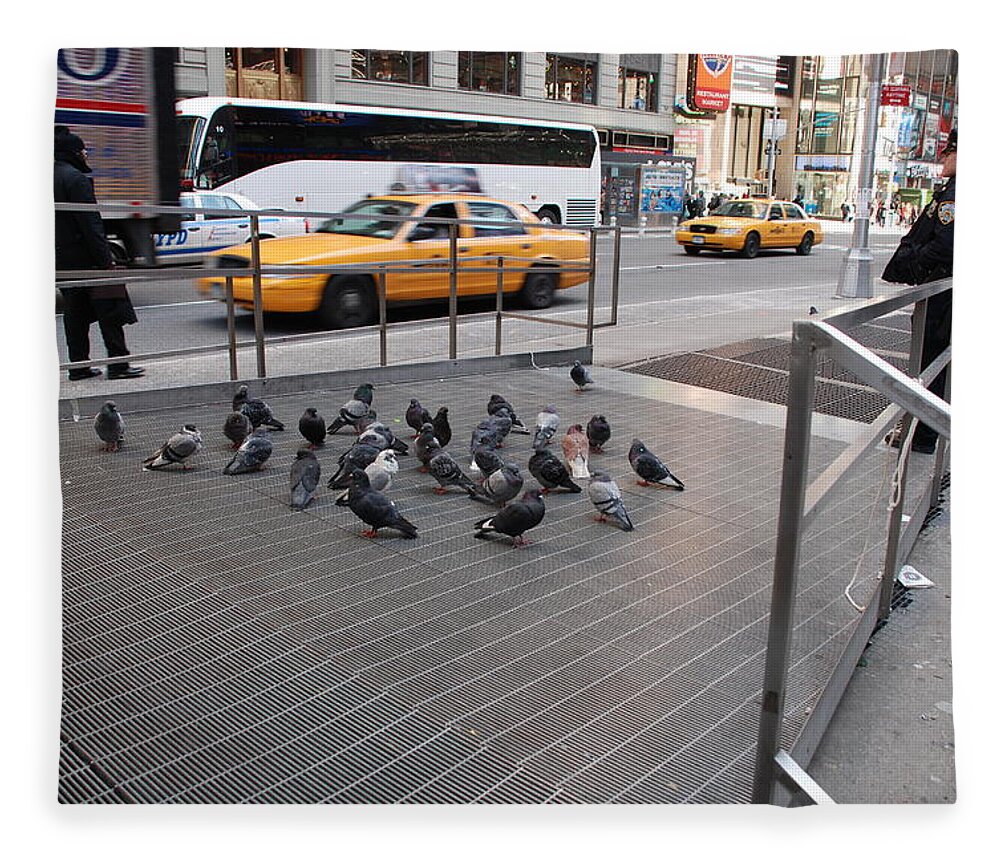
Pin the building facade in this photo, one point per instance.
(793, 123)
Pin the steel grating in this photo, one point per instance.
(219, 647)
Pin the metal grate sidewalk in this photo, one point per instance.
(219, 647)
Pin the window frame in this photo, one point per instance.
(554, 82)
(413, 59)
(510, 61)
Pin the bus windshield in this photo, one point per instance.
(741, 209)
(376, 225)
(188, 131)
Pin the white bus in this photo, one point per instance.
(324, 157)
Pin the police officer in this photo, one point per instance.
(926, 254)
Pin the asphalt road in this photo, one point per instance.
(670, 300)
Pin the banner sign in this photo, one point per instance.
(710, 81)
(895, 96)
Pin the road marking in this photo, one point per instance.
(673, 265)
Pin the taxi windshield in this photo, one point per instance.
(376, 225)
(741, 209)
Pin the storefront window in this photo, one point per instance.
(490, 72)
(264, 73)
(401, 67)
(571, 77)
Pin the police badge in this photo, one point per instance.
(946, 213)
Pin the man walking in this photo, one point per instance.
(81, 244)
(926, 253)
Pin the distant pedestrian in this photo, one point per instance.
(82, 244)
(845, 211)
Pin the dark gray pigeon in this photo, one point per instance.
(501, 485)
(255, 409)
(426, 446)
(486, 460)
(377, 434)
(375, 509)
(448, 473)
(546, 425)
(354, 410)
(650, 469)
(580, 375)
(312, 426)
(607, 498)
(110, 426)
(500, 425)
(598, 433)
(515, 518)
(252, 454)
(237, 428)
(442, 429)
(416, 416)
(550, 472)
(358, 456)
(176, 451)
(498, 405)
(304, 478)
(380, 473)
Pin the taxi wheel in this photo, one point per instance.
(348, 302)
(751, 246)
(689, 249)
(538, 290)
(805, 246)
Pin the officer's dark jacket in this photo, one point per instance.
(926, 252)
(80, 239)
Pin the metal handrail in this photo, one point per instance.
(79, 279)
(800, 501)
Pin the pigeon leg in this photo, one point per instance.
(545, 491)
(519, 541)
(643, 483)
(369, 533)
(600, 519)
(441, 490)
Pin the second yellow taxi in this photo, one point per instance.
(377, 234)
(747, 225)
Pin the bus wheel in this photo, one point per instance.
(348, 302)
(538, 290)
(548, 215)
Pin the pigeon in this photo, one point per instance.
(650, 469)
(500, 425)
(607, 498)
(580, 375)
(304, 478)
(546, 425)
(255, 409)
(501, 485)
(358, 407)
(177, 450)
(377, 434)
(110, 427)
(576, 449)
(499, 406)
(237, 428)
(812, 310)
(416, 416)
(486, 460)
(551, 473)
(448, 473)
(312, 426)
(358, 456)
(251, 455)
(442, 429)
(380, 473)
(375, 509)
(515, 518)
(598, 433)
(426, 446)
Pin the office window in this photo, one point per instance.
(264, 73)
(490, 72)
(400, 67)
(571, 78)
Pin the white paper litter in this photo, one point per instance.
(910, 577)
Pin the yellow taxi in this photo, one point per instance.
(377, 234)
(749, 224)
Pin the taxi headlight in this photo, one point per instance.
(730, 231)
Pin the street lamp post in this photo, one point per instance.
(855, 279)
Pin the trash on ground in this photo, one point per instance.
(910, 577)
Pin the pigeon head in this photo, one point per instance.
(427, 427)
(311, 411)
(190, 428)
(576, 363)
(531, 495)
(110, 406)
(549, 408)
(577, 427)
(443, 410)
(242, 391)
(388, 460)
(360, 478)
(304, 454)
(599, 477)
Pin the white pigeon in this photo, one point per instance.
(546, 425)
(177, 450)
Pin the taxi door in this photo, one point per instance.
(796, 223)
(502, 234)
(425, 249)
(776, 228)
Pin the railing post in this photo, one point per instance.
(382, 346)
(453, 291)
(798, 428)
(499, 303)
(231, 327)
(592, 287)
(615, 273)
(258, 310)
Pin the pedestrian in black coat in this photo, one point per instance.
(81, 244)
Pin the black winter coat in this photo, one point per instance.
(926, 253)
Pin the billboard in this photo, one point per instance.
(661, 190)
(710, 81)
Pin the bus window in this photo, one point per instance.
(218, 163)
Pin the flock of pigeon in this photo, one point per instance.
(366, 469)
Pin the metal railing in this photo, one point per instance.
(800, 503)
(377, 270)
